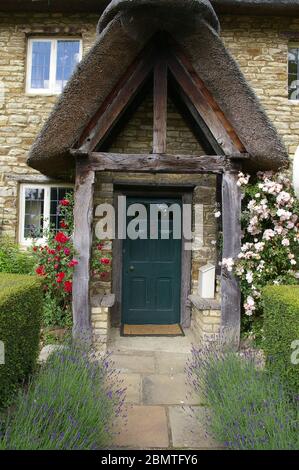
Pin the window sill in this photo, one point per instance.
(42, 93)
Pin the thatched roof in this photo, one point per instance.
(123, 30)
(281, 7)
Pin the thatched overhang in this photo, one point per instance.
(123, 30)
(256, 7)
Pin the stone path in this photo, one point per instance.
(163, 413)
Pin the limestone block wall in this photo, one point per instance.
(22, 115)
(206, 325)
(100, 323)
(260, 46)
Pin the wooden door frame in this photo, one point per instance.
(186, 195)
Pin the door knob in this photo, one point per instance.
(131, 268)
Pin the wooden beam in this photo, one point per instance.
(206, 108)
(230, 290)
(83, 216)
(186, 63)
(152, 163)
(160, 107)
(200, 128)
(116, 103)
(186, 270)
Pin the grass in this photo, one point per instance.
(71, 404)
(249, 409)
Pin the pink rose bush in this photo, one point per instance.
(270, 244)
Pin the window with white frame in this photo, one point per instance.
(39, 210)
(293, 71)
(50, 63)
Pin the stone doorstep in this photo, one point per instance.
(128, 363)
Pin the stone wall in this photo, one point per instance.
(22, 115)
(260, 46)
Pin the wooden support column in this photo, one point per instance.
(230, 290)
(160, 107)
(83, 215)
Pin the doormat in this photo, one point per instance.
(152, 330)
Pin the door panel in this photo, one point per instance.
(151, 275)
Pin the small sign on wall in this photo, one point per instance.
(206, 281)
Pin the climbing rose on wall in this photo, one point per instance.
(55, 265)
(270, 244)
(101, 260)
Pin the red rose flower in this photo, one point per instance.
(35, 248)
(61, 237)
(40, 270)
(104, 276)
(72, 263)
(60, 276)
(56, 266)
(57, 258)
(67, 286)
(100, 246)
(105, 260)
(67, 251)
(64, 202)
(63, 224)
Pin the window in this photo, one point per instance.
(50, 63)
(293, 72)
(39, 210)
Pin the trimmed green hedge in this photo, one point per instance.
(20, 322)
(14, 260)
(281, 328)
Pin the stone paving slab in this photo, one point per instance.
(151, 344)
(132, 383)
(188, 428)
(134, 363)
(162, 389)
(171, 363)
(146, 428)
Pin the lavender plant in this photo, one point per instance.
(248, 408)
(71, 404)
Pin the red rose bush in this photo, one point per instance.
(56, 262)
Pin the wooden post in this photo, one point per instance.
(83, 215)
(160, 107)
(230, 291)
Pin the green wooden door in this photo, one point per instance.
(151, 274)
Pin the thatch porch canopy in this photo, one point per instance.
(123, 31)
